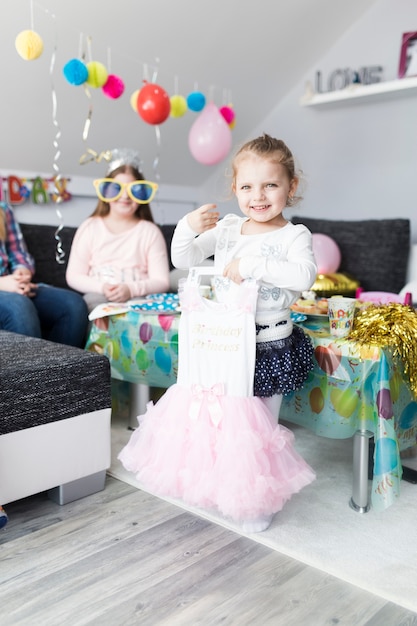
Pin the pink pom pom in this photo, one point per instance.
(113, 87)
(228, 114)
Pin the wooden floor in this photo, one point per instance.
(122, 557)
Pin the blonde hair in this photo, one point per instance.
(275, 150)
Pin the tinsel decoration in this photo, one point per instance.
(391, 325)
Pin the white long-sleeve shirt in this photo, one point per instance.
(137, 257)
(282, 260)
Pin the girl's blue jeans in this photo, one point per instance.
(55, 314)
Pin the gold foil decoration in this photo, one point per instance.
(327, 285)
(394, 326)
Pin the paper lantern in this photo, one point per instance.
(97, 74)
(29, 45)
(113, 87)
(178, 106)
(134, 100)
(75, 72)
(196, 101)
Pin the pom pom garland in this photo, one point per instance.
(393, 325)
(97, 74)
(134, 100)
(29, 45)
(178, 106)
(228, 114)
(113, 87)
(196, 101)
(75, 72)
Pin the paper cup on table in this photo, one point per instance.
(341, 314)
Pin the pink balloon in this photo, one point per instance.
(327, 254)
(165, 321)
(210, 137)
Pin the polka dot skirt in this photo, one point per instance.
(283, 365)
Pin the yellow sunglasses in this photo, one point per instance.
(140, 191)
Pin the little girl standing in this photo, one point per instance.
(209, 440)
(262, 245)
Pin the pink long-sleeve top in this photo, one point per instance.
(137, 257)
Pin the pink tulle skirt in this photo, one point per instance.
(228, 455)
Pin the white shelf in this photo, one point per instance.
(363, 93)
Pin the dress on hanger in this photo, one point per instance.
(208, 440)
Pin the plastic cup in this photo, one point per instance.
(341, 314)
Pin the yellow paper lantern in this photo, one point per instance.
(29, 45)
(97, 74)
(178, 106)
(134, 100)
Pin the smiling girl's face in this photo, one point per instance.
(123, 207)
(262, 187)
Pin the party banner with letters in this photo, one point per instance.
(17, 190)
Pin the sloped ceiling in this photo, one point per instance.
(249, 52)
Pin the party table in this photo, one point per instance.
(358, 390)
(143, 350)
(354, 390)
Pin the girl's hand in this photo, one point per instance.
(14, 285)
(23, 274)
(203, 218)
(116, 293)
(231, 271)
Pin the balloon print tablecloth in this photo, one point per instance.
(358, 387)
(352, 386)
(142, 347)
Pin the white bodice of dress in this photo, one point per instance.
(216, 340)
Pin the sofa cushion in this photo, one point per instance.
(42, 245)
(42, 382)
(375, 252)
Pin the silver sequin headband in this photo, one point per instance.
(123, 156)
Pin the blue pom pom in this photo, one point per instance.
(75, 71)
(196, 101)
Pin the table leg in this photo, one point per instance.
(359, 500)
(138, 399)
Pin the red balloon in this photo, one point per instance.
(153, 104)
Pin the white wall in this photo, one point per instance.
(169, 205)
(360, 160)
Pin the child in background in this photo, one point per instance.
(28, 308)
(198, 443)
(118, 253)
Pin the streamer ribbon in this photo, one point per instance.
(91, 155)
